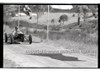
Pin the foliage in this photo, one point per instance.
(52, 20)
(39, 9)
(9, 11)
(63, 18)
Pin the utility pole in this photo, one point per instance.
(19, 16)
(48, 25)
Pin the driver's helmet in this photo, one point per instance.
(17, 30)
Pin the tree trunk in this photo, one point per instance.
(78, 18)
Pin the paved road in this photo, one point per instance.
(44, 55)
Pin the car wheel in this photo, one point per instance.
(6, 37)
(11, 39)
(30, 39)
(22, 39)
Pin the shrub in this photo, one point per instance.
(52, 20)
(63, 18)
(73, 15)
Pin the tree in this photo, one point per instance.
(81, 9)
(62, 19)
(85, 9)
(52, 20)
(77, 9)
(9, 11)
(39, 9)
(94, 9)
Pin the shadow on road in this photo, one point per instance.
(19, 42)
(59, 57)
(12, 43)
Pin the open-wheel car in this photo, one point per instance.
(17, 36)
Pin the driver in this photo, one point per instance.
(16, 32)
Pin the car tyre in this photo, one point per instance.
(30, 39)
(22, 39)
(11, 39)
(6, 37)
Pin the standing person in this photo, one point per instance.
(28, 11)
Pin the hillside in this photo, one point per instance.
(43, 19)
(70, 26)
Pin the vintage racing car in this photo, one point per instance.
(20, 37)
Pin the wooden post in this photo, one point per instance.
(48, 25)
(19, 16)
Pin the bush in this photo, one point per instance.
(73, 15)
(25, 24)
(52, 20)
(63, 18)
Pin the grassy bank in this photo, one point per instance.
(87, 32)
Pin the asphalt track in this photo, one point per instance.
(44, 55)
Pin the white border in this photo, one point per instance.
(51, 1)
(49, 69)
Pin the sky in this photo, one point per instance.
(62, 6)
